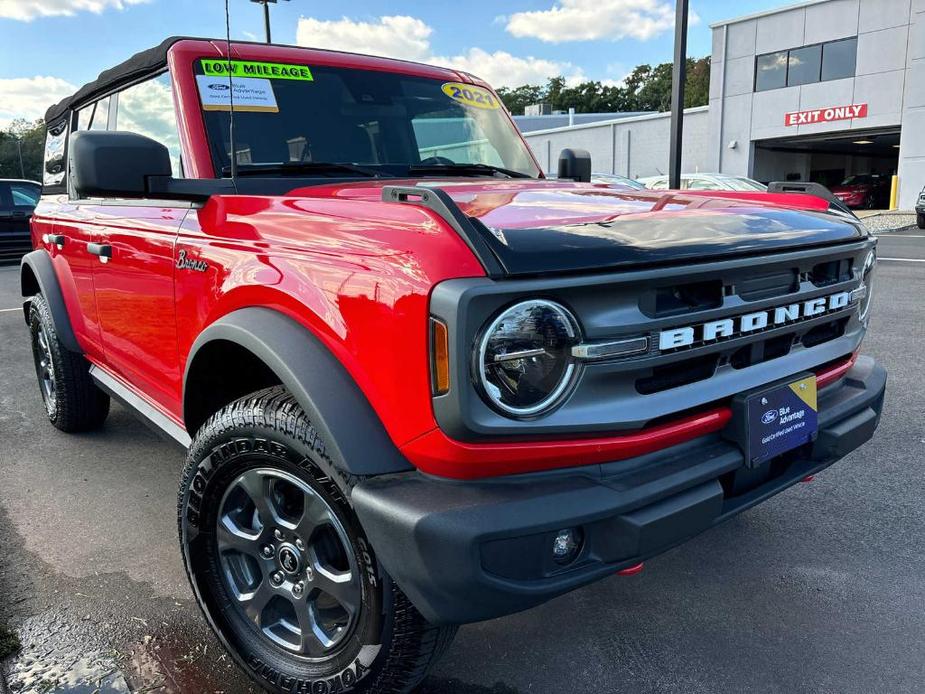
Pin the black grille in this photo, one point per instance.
(769, 285)
(832, 272)
(682, 298)
(825, 332)
(678, 374)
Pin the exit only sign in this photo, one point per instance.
(825, 115)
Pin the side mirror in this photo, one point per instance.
(575, 164)
(114, 164)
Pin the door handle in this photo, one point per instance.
(103, 250)
(54, 240)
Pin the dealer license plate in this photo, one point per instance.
(780, 419)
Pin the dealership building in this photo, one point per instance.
(817, 91)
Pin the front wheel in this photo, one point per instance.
(281, 566)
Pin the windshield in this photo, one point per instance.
(857, 180)
(387, 122)
(741, 183)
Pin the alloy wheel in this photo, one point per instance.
(287, 562)
(45, 365)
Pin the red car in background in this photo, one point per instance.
(864, 190)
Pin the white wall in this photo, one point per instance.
(631, 147)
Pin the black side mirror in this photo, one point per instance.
(115, 164)
(575, 164)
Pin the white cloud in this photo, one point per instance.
(27, 10)
(408, 38)
(589, 20)
(402, 37)
(29, 97)
(501, 69)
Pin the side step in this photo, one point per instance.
(150, 415)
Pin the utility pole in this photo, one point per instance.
(266, 15)
(22, 169)
(678, 77)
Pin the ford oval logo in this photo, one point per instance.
(219, 87)
(769, 416)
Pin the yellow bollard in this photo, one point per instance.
(894, 191)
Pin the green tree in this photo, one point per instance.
(25, 136)
(646, 88)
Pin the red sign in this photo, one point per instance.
(825, 115)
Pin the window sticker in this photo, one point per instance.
(250, 94)
(250, 68)
(470, 95)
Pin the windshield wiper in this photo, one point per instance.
(465, 170)
(302, 167)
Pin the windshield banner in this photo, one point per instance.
(251, 68)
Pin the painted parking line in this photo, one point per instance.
(10, 310)
(904, 260)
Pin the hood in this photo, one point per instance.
(540, 226)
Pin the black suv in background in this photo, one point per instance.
(17, 201)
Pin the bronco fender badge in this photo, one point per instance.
(186, 263)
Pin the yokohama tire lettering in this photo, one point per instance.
(341, 682)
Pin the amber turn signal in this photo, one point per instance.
(440, 354)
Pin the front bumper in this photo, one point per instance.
(470, 551)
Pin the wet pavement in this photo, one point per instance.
(820, 589)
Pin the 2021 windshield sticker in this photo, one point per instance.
(470, 95)
(252, 68)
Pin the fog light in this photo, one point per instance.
(567, 545)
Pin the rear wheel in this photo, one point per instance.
(281, 566)
(72, 400)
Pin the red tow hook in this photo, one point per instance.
(807, 479)
(631, 570)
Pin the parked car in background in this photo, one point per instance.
(920, 210)
(864, 190)
(616, 179)
(705, 181)
(18, 199)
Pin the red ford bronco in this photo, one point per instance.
(421, 385)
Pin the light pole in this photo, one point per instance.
(678, 76)
(266, 15)
(22, 169)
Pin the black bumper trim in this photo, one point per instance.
(469, 551)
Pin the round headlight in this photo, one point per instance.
(867, 276)
(524, 361)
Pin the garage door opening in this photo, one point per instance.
(857, 167)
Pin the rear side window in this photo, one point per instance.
(24, 194)
(147, 109)
(53, 168)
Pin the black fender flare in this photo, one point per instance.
(39, 263)
(355, 439)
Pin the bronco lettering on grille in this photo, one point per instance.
(750, 322)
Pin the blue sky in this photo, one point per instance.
(49, 46)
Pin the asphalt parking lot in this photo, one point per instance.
(820, 589)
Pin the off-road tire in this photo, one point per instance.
(920, 220)
(391, 647)
(74, 403)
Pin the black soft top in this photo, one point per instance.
(139, 65)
